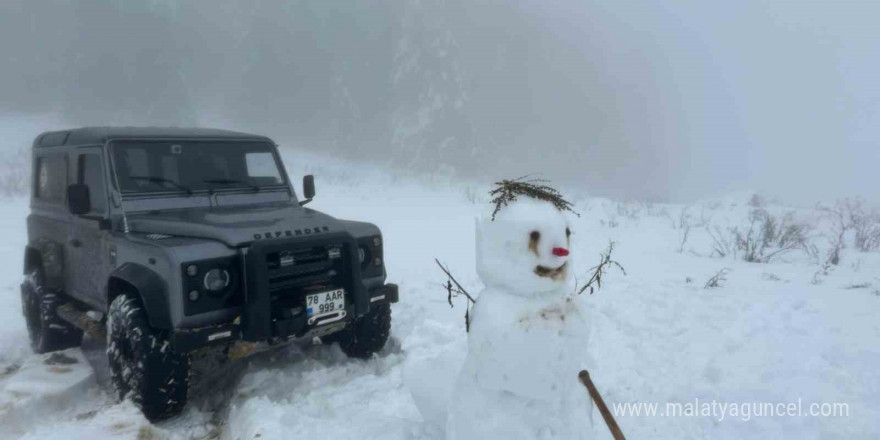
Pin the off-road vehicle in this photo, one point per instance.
(171, 239)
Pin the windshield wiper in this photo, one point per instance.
(157, 179)
(233, 181)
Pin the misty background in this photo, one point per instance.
(632, 99)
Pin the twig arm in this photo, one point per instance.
(452, 278)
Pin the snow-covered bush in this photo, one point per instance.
(768, 237)
(764, 238)
(629, 210)
(850, 218)
(866, 229)
(757, 201)
(15, 173)
(721, 244)
(684, 226)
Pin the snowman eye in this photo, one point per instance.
(567, 232)
(533, 242)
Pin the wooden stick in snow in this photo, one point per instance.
(584, 377)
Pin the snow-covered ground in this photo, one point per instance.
(777, 332)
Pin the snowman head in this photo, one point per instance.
(525, 250)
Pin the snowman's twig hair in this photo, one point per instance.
(600, 269)
(454, 289)
(509, 190)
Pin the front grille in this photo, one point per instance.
(280, 272)
(295, 271)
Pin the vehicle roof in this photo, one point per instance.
(100, 135)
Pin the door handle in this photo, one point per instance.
(75, 242)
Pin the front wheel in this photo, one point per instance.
(142, 363)
(365, 335)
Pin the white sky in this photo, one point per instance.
(676, 100)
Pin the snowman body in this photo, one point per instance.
(528, 335)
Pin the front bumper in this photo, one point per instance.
(387, 293)
(186, 340)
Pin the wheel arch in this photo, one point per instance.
(49, 257)
(148, 286)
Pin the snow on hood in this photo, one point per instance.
(235, 226)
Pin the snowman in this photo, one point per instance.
(528, 336)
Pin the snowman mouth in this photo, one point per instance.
(554, 274)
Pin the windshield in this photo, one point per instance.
(187, 166)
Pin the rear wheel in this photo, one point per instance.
(47, 331)
(365, 335)
(142, 364)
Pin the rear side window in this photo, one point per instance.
(91, 174)
(50, 178)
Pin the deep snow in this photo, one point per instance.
(767, 335)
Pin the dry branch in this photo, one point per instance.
(509, 190)
(454, 289)
(717, 279)
(600, 270)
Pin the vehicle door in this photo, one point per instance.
(49, 221)
(90, 240)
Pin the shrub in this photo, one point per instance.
(15, 173)
(851, 215)
(768, 237)
(765, 238)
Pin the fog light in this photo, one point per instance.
(194, 295)
(377, 241)
(377, 261)
(192, 270)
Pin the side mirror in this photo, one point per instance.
(78, 200)
(309, 187)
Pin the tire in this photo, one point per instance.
(142, 364)
(47, 331)
(367, 334)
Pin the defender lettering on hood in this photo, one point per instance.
(288, 233)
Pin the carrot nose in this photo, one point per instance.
(560, 252)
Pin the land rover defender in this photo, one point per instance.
(168, 240)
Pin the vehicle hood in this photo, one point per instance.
(235, 226)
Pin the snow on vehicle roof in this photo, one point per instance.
(100, 135)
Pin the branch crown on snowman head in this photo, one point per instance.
(508, 191)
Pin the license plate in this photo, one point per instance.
(318, 304)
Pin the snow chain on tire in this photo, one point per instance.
(142, 364)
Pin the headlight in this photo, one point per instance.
(216, 280)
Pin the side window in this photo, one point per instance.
(90, 173)
(50, 178)
(261, 167)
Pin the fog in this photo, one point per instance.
(633, 99)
